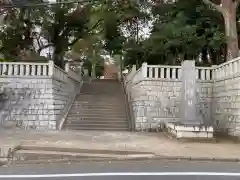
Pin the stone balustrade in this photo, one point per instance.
(37, 94)
(156, 94)
(204, 73)
(166, 72)
(227, 70)
(163, 72)
(24, 69)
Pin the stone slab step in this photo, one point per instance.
(97, 115)
(100, 102)
(97, 111)
(101, 126)
(90, 112)
(103, 106)
(99, 91)
(96, 122)
(97, 118)
(116, 107)
(100, 96)
(99, 106)
(99, 87)
(112, 123)
(104, 94)
(97, 128)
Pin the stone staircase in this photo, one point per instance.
(99, 106)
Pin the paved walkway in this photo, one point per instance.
(131, 141)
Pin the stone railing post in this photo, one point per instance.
(144, 70)
(214, 75)
(51, 68)
(134, 68)
(67, 66)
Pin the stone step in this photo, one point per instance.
(96, 118)
(102, 84)
(89, 124)
(99, 88)
(92, 102)
(100, 99)
(97, 128)
(104, 107)
(105, 112)
(99, 103)
(98, 115)
(99, 109)
(101, 93)
(103, 122)
(115, 90)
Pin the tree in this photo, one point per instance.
(36, 29)
(228, 9)
(180, 32)
(91, 47)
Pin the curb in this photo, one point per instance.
(124, 159)
(132, 157)
(186, 158)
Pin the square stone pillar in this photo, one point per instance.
(188, 93)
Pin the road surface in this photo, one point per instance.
(150, 170)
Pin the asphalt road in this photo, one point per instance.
(150, 170)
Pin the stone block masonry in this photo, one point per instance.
(155, 92)
(156, 95)
(154, 102)
(226, 97)
(36, 95)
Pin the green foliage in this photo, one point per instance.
(181, 31)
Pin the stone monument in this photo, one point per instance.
(189, 126)
(188, 94)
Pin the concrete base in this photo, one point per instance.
(181, 130)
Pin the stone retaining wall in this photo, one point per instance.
(151, 102)
(157, 102)
(156, 95)
(37, 101)
(226, 98)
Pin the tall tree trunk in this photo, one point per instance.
(228, 9)
(231, 31)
